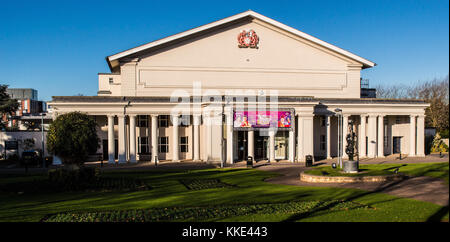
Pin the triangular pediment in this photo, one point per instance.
(220, 40)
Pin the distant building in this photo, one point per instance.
(367, 92)
(29, 105)
(22, 93)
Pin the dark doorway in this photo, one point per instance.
(242, 145)
(105, 149)
(261, 147)
(396, 143)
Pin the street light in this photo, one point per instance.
(339, 116)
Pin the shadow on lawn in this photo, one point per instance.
(321, 210)
(439, 215)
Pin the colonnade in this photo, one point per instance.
(300, 141)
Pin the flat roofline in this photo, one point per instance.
(280, 99)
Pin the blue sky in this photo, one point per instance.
(58, 47)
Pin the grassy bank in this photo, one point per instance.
(224, 189)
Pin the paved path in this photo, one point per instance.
(420, 188)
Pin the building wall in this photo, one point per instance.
(400, 129)
(293, 66)
(21, 136)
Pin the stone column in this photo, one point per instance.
(111, 140)
(175, 155)
(230, 147)
(362, 136)
(154, 134)
(380, 140)
(412, 135)
(132, 138)
(300, 155)
(308, 135)
(251, 144)
(421, 136)
(291, 146)
(371, 134)
(271, 145)
(344, 135)
(328, 136)
(196, 142)
(122, 138)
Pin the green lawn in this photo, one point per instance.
(437, 170)
(218, 195)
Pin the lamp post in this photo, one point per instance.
(42, 134)
(339, 116)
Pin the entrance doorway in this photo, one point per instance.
(281, 145)
(396, 145)
(242, 145)
(261, 146)
(105, 149)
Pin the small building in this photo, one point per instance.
(246, 85)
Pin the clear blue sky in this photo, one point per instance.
(59, 47)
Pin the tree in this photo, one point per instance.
(7, 105)
(434, 92)
(72, 137)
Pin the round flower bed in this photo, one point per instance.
(349, 179)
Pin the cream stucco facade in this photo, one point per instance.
(139, 103)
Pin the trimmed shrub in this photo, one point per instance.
(72, 137)
(73, 180)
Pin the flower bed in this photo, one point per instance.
(348, 179)
(98, 185)
(199, 184)
(203, 213)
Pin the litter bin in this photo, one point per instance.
(249, 162)
(308, 160)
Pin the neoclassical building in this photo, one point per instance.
(242, 86)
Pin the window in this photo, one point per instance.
(385, 136)
(323, 142)
(25, 106)
(143, 145)
(397, 119)
(323, 121)
(111, 80)
(367, 144)
(184, 144)
(185, 120)
(142, 121)
(163, 121)
(163, 145)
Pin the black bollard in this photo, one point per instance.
(249, 162)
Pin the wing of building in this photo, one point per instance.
(242, 86)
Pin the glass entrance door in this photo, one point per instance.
(396, 145)
(242, 145)
(261, 147)
(281, 144)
